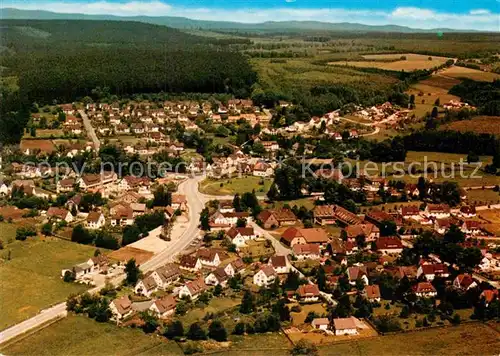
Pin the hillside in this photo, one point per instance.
(66, 59)
(186, 23)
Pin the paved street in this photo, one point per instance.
(90, 130)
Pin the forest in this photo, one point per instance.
(65, 60)
(484, 95)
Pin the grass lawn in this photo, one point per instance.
(300, 317)
(31, 278)
(255, 249)
(235, 185)
(79, 335)
(7, 233)
(215, 305)
(306, 202)
(469, 339)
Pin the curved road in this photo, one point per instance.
(196, 203)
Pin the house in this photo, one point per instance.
(320, 323)
(308, 293)
(95, 220)
(190, 263)
(410, 212)
(293, 236)
(433, 270)
(368, 230)
(262, 169)
(234, 267)
(442, 225)
(4, 189)
(357, 272)
(280, 264)
(464, 282)
(331, 214)
(65, 185)
(122, 217)
(265, 276)
(489, 295)
(389, 245)
(240, 235)
(121, 307)
(372, 293)
(146, 286)
(277, 218)
(306, 251)
(210, 257)
(217, 277)
(471, 227)
(228, 219)
(438, 211)
(468, 211)
(345, 326)
(59, 214)
(424, 290)
(226, 206)
(179, 202)
(193, 289)
(163, 307)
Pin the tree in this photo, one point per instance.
(196, 332)
(454, 235)
(69, 276)
(472, 157)
(388, 228)
(81, 235)
(150, 322)
(205, 219)
(217, 331)
(181, 308)
(304, 348)
(174, 329)
(239, 328)
(47, 229)
(105, 240)
(273, 193)
(241, 222)
(247, 303)
(217, 290)
(237, 203)
(24, 232)
(133, 272)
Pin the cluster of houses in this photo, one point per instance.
(239, 163)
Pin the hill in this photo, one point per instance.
(186, 23)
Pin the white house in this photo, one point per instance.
(240, 235)
(265, 276)
(280, 264)
(321, 323)
(306, 251)
(59, 214)
(4, 189)
(209, 257)
(193, 289)
(234, 267)
(163, 307)
(345, 326)
(95, 220)
(121, 307)
(308, 293)
(217, 277)
(424, 290)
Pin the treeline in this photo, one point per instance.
(484, 95)
(452, 142)
(44, 77)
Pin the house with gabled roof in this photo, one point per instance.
(190, 263)
(308, 293)
(217, 277)
(272, 218)
(164, 306)
(280, 264)
(306, 251)
(433, 270)
(424, 290)
(240, 235)
(59, 214)
(464, 282)
(372, 293)
(193, 289)
(357, 272)
(121, 307)
(265, 276)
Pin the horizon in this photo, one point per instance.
(483, 15)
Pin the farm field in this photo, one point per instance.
(31, 278)
(483, 196)
(393, 62)
(230, 186)
(45, 133)
(474, 74)
(79, 335)
(462, 339)
(480, 125)
(426, 95)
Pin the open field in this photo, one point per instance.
(31, 278)
(474, 74)
(393, 62)
(79, 335)
(459, 340)
(46, 133)
(128, 252)
(483, 196)
(479, 125)
(440, 81)
(215, 305)
(230, 186)
(426, 95)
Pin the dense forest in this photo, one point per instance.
(65, 60)
(484, 95)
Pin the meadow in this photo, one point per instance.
(474, 74)
(30, 273)
(395, 61)
(231, 186)
(479, 125)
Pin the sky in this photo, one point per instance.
(457, 14)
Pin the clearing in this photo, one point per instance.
(31, 278)
(457, 340)
(231, 186)
(479, 125)
(474, 74)
(79, 335)
(394, 61)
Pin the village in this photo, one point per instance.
(165, 247)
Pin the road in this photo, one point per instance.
(90, 130)
(195, 203)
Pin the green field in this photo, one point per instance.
(79, 335)
(215, 305)
(466, 339)
(31, 278)
(235, 185)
